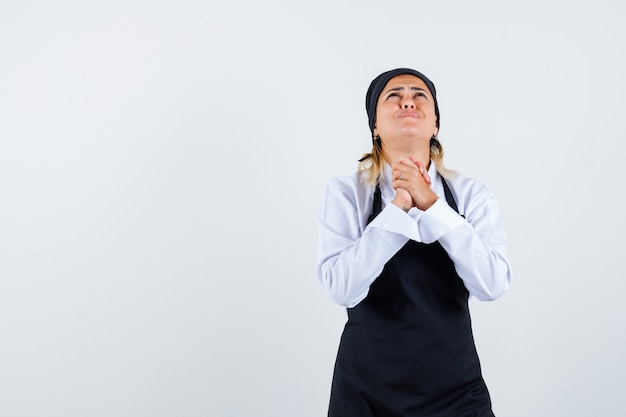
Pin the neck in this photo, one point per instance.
(421, 153)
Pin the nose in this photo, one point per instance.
(408, 103)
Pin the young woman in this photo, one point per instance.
(403, 245)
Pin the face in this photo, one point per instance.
(405, 108)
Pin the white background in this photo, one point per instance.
(162, 162)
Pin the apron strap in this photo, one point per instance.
(449, 197)
(377, 206)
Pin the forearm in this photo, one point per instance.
(477, 248)
(483, 267)
(348, 264)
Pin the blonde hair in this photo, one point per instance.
(371, 165)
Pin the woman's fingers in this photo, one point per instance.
(422, 169)
(408, 168)
(411, 175)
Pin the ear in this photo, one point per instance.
(375, 132)
(436, 132)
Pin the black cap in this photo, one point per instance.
(377, 85)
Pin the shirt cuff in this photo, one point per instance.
(393, 219)
(438, 220)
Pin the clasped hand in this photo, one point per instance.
(411, 181)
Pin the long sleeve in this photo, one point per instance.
(477, 244)
(352, 254)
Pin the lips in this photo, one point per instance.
(409, 114)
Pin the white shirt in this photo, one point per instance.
(352, 254)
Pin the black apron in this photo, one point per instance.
(407, 349)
